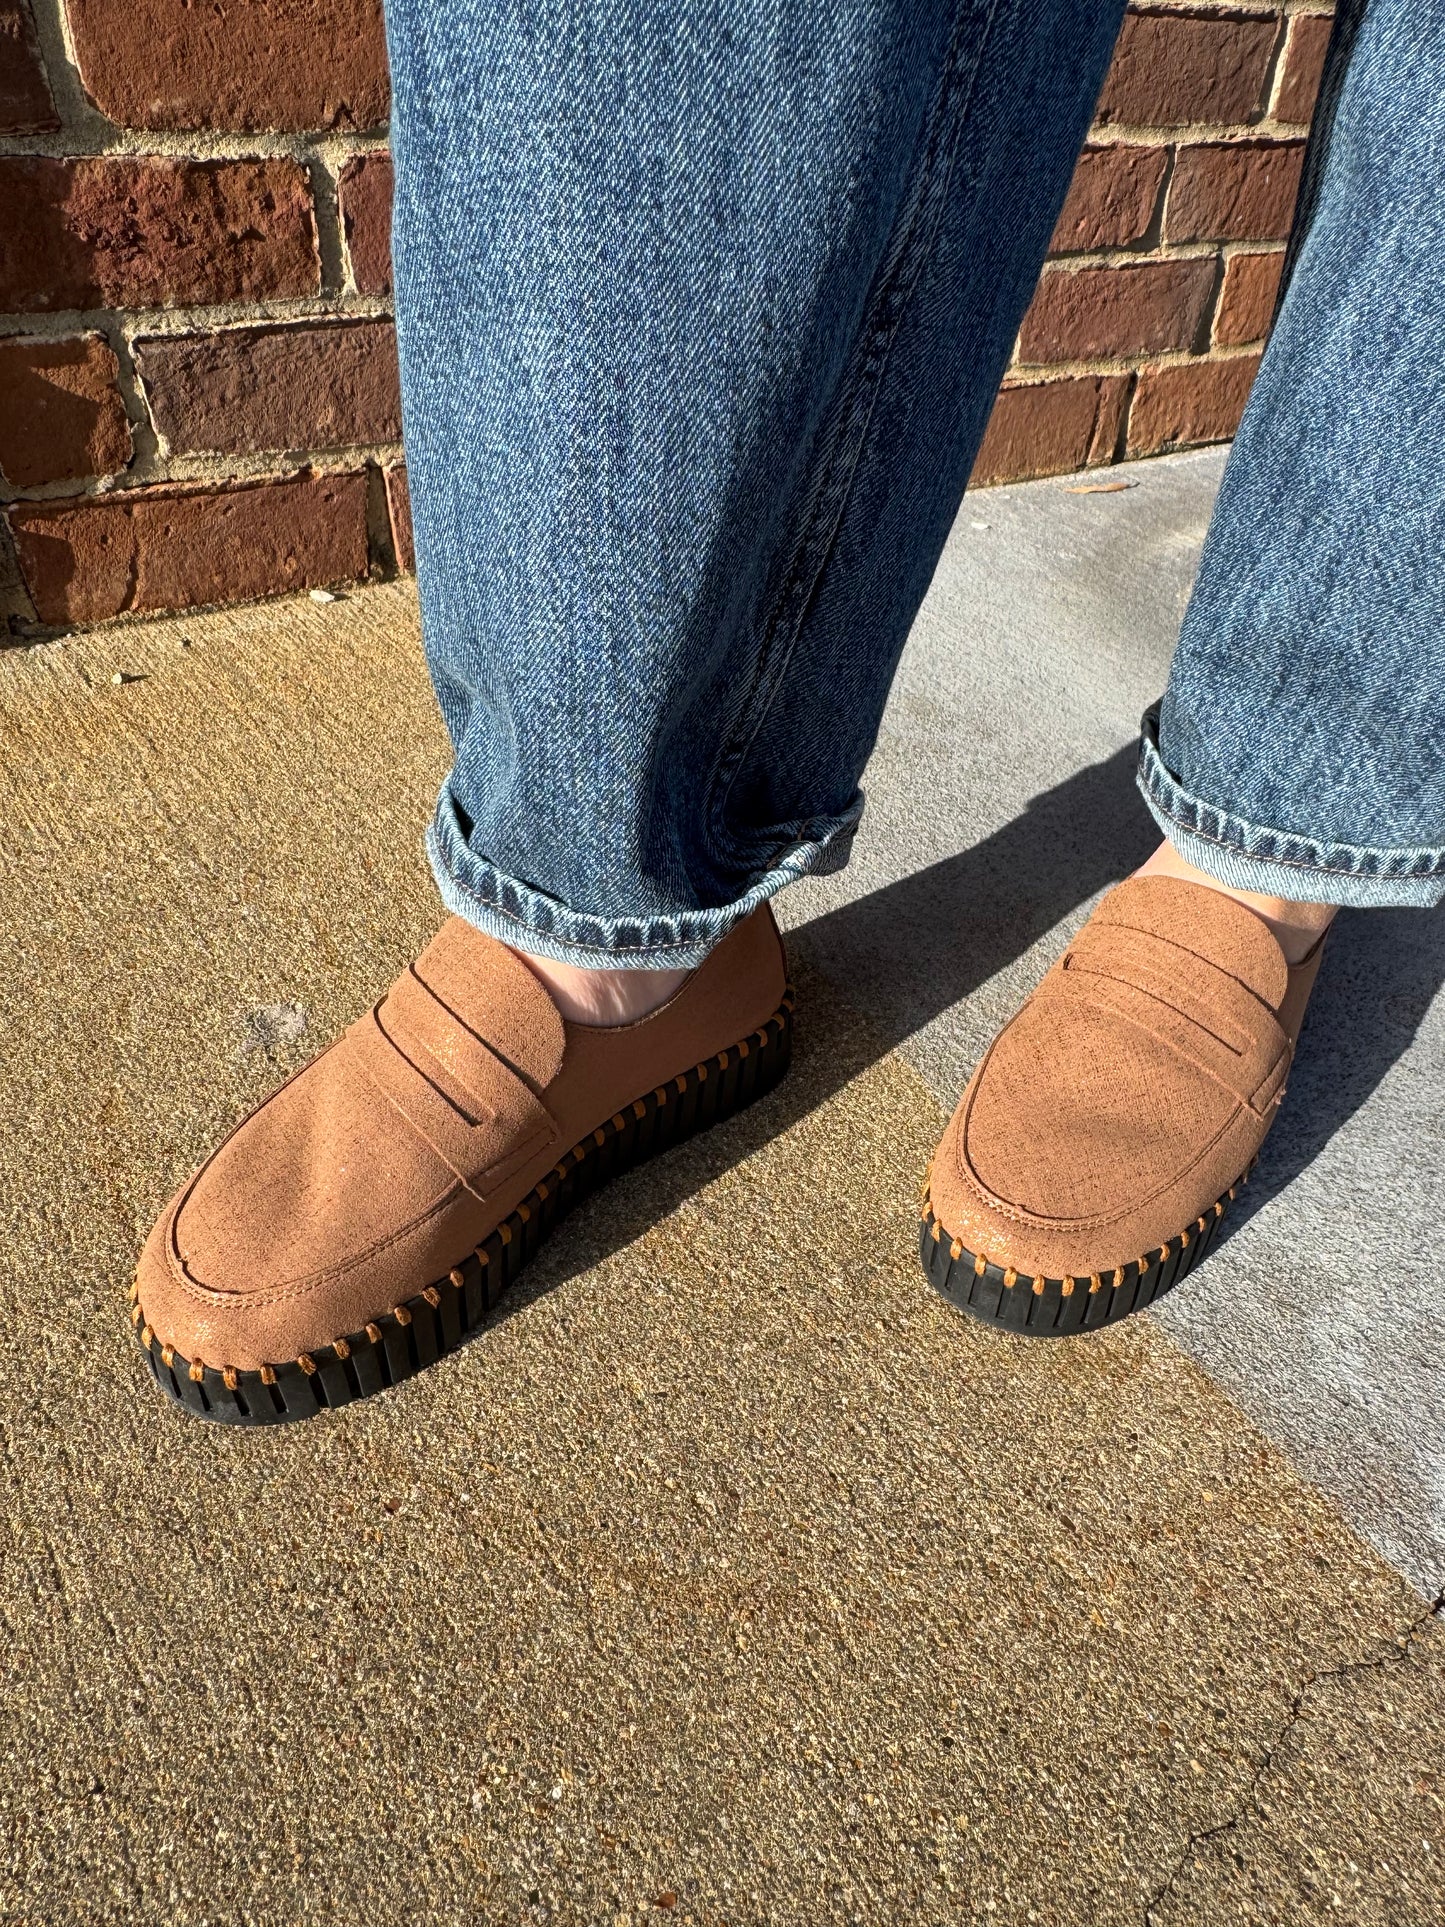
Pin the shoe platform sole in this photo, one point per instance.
(399, 1343)
(1038, 1307)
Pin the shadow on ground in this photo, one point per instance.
(1382, 971)
(908, 952)
(913, 949)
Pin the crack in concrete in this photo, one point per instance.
(1248, 1804)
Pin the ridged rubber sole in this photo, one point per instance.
(1038, 1307)
(441, 1317)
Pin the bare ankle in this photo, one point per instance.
(1298, 927)
(605, 997)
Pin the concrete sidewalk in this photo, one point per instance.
(731, 1577)
(1001, 804)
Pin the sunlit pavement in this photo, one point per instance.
(730, 1577)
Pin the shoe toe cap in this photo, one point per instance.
(1074, 1156)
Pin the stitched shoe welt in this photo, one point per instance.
(1109, 1125)
(367, 1216)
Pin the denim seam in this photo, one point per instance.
(884, 315)
(576, 930)
(510, 916)
(1436, 865)
(1368, 863)
(1349, 17)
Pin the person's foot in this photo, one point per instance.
(1100, 1141)
(368, 1216)
(604, 996)
(1298, 927)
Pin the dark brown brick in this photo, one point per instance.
(364, 192)
(1111, 199)
(25, 103)
(1193, 401)
(117, 232)
(398, 502)
(259, 64)
(1233, 191)
(1115, 311)
(1114, 393)
(1040, 428)
(1177, 69)
(1247, 298)
(1304, 62)
(1049, 428)
(61, 415)
(172, 548)
(241, 390)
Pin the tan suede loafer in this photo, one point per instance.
(1099, 1143)
(367, 1217)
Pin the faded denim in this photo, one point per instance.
(1301, 745)
(701, 314)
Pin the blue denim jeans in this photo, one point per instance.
(1300, 746)
(701, 315)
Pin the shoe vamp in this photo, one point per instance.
(324, 1173)
(1081, 1115)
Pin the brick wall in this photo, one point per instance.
(198, 397)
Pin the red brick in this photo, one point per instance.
(242, 64)
(1194, 401)
(1304, 62)
(1049, 428)
(1246, 301)
(332, 385)
(172, 548)
(1115, 311)
(1233, 191)
(1111, 199)
(1114, 393)
(1043, 428)
(61, 415)
(25, 103)
(398, 502)
(134, 233)
(1177, 69)
(364, 193)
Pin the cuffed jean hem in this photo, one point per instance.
(529, 920)
(1279, 863)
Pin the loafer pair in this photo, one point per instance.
(368, 1216)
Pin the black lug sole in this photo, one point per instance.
(1038, 1307)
